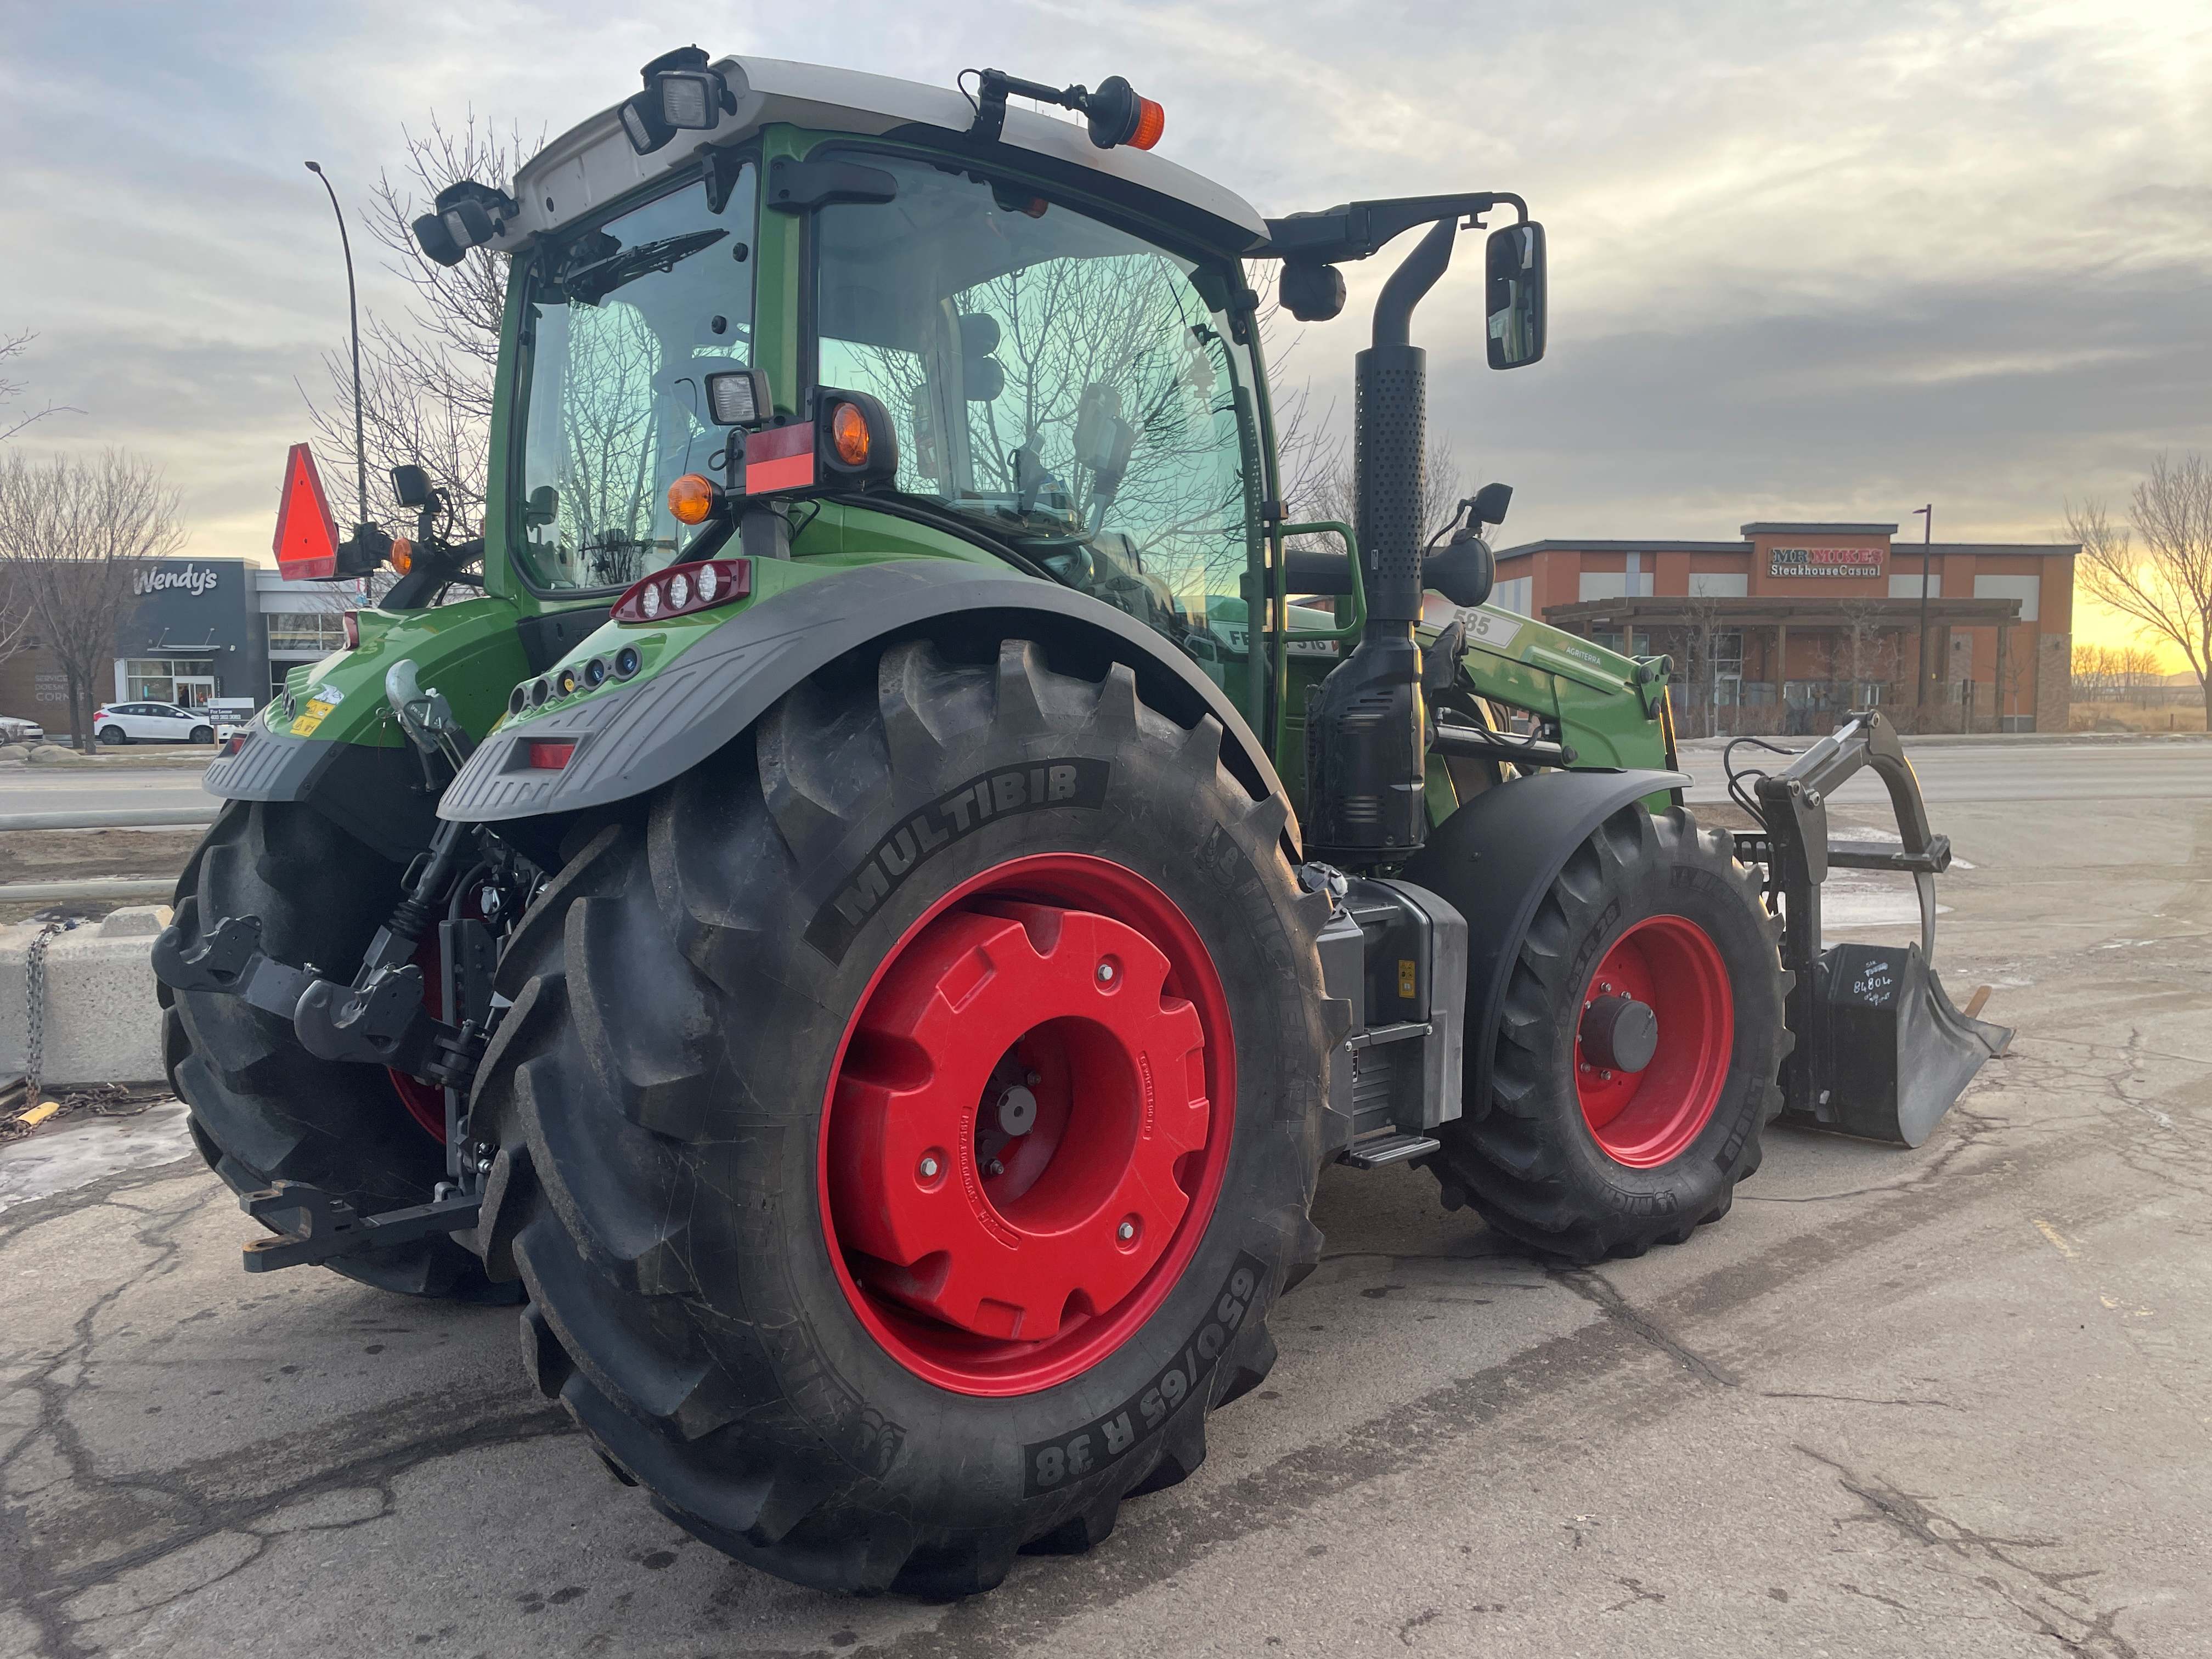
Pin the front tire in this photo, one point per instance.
(202, 734)
(1653, 938)
(856, 1363)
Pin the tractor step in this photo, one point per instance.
(1374, 1153)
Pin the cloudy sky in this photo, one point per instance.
(1824, 260)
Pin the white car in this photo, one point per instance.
(151, 722)
(13, 730)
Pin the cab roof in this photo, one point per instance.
(593, 164)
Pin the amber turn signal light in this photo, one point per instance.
(849, 431)
(402, 556)
(691, 499)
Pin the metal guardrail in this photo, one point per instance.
(145, 889)
(111, 818)
(156, 888)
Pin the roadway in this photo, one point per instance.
(2093, 769)
(1950, 1401)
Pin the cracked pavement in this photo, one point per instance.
(1949, 1401)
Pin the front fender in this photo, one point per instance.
(632, 738)
(1495, 858)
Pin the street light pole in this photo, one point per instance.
(1927, 516)
(353, 305)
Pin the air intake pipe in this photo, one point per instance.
(1366, 740)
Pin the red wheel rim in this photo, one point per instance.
(995, 1259)
(1648, 1116)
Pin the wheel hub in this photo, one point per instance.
(1019, 1123)
(1653, 1041)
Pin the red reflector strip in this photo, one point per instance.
(549, 757)
(232, 744)
(780, 458)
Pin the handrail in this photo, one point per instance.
(1279, 609)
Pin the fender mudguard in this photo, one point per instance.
(633, 738)
(375, 794)
(1495, 858)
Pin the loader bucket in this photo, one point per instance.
(1881, 1053)
(1887, 1053)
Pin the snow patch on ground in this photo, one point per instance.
(88, 1149)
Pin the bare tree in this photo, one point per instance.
(2165, 584)
(2093, 673)
(73, 532)
(1335, 492)
(428, 383)
(13, 346)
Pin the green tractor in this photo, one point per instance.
(865, 902)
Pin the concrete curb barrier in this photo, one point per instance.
(95, 888)
(197, 758)
(102, 1023)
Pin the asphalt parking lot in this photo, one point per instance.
(1950, 1402)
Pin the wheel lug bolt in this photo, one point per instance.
(1105, 973)
(1126, 1232)
(929, 1169)
(1032, 1079)
(994, 1167)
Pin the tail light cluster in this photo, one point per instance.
(686, 588)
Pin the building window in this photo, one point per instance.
(315, 632)
(1718, 585)
(1908, 587)
(1513, 595)
(1601, 585)
(1609, 638)
(153, 680)
(2026, 589)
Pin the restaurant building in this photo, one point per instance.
(200, 628)
(1786, 628)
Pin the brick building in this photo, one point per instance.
(1788, 627)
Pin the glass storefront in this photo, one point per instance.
(187, 681)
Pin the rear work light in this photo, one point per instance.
(682, 589)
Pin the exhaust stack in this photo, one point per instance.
(1366, 729)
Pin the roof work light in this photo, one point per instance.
(465, 214)
(682, 93)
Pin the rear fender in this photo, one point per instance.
(1495, 858)
(633, 738)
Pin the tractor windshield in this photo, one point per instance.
(1070, 388)
(625, 321)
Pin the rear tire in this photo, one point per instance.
(113, 735)
(263, 1108)
(689, 992)
(1568, 1156)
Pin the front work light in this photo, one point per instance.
(682, 93)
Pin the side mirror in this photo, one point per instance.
(412, 485)
(542, 506)
(1464, 572)
(1513, 294)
